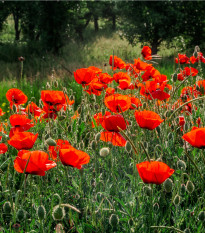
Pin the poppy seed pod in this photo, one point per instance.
(58, 213)
(177, 200)
(183, 189)
(189, 186)
(41, 212)
(128, 147)
(93, 144)
(7, 207)
(181, 165)
(201, 216)
(114, 220)
(20, 215)
(97, 136)
(51, 142)
(168, 184)
(104, 151)
(147, 190)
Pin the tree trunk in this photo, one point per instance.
(114, 22)
(155, 45)
(16, 26)
(96, 23)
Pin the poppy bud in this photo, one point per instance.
(189, 186)
(187, 230)
(48, 86)
(7, 207)
(58, 213)
(181, 165)
(177, 200)
(144, 105)
(56, 83)
(51, 142)
(14, 108)
(156, 206)
(130, 222)
(170, 136)
(97, 136)
(201, 216)
(168, 185)
(145, 145)
(93, 144)
(104, 151)
(114, 220)
(183, 189)
(20, 215)
(41, 212)
(174, 77)
(128, 147)
(147, 190)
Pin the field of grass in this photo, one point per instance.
(107, 194)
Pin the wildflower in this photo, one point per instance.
(3, 148)
(37, 162)
(117, 102)
(112, 122)
(60, 144)
(115, 138)
(146, 53)
(1, 112)
(23, 140)
(154, 172)
(182, 59)
(16, 96)
(196, 137)
(118, 62)
(148, 119)
(84, 76)
(73, 157)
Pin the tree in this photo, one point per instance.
(151, 22)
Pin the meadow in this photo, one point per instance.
(107, 150)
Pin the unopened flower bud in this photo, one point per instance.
(51, 142)
(181, 165)
(177, 200)
(58, 213)
(41, 212)
(201, 216)
(128, 147)
(7, 207)
(97, 136)
(114, 220)
(20, 215)
(168, 185)
(189, 186)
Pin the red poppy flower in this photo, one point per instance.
(118, 102)
(56, 98)
(34, 109)
(198, 121)
(150, 72)
(111, 123)
(16, 96)
(105, 78)
(140, 65)
(109, 91)
(49, 113)
(160, 95)
(118, 62)
(136, 102)
(148, 119)
(95, 87)
(196, 137)
(98, 117)
(115, 138)
(190, 71)
(37, 162)
(121, 76)
(154, 172)
(200, 57)
(200, 86)
(1, 112)
(182, 59)
(20, 123)
(181, 122)
(73, 157)
(3, 148)
(60, 144)
(95, 69)
(23, 140)
(147, 53)
(76, 115)
(84, 76)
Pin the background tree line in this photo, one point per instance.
(51, 24)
